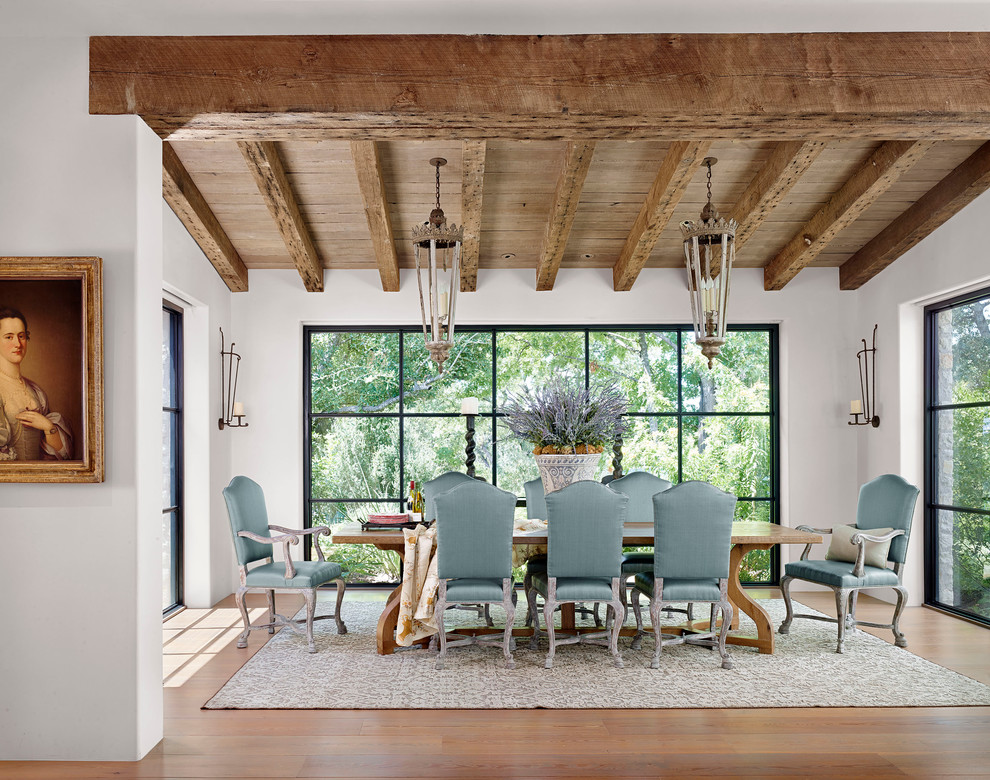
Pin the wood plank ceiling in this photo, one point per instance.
(311, 153)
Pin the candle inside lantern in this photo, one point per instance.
(855, 407)
(469, 405)
(238, 409)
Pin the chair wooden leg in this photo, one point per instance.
(726, 607)
(899, 639)
(534, 619)
(549, 605)
(341, 586)
(488, 616)
(509, 604)
(439, 610)
(239, 600)
(655, 617)
(270, 595)
(851, 614)
(785, 591)
(310, 596)
(841, 605)
(637, 641)
(618, 606)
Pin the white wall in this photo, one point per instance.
(816, 377)
(80, 668)
(191, 282)
(948, 262)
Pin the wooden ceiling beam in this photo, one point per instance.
(968, 180)
(368, 166)
(786, 164)
(189, 205)
(892, 85)
(577, 162)
(676, 171)
(266, 167)
(472, 196)
(870, 181)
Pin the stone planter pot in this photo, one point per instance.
(558, 471)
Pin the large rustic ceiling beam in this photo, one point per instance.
(472, 197)
(756, 85)
(368, 166)
(676, 170)
(787, 163)
(189, 205)
(266, 166)
(968, 180)
(867, 184)
(577, 161)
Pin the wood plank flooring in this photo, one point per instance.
(892, 742)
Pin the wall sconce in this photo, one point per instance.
(469, 408)
(229, 408)
(866, 404)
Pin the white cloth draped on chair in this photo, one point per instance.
(419, 586)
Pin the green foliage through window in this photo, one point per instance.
(366, 440)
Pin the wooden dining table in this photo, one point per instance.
(746, 537)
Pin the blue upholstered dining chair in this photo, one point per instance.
(640, 486)
(253, 541)
(474, 557)
(432, 489)
(536, 501)
(692, 530)
(886, 507)
(584, 559)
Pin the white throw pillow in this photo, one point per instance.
(842, 549)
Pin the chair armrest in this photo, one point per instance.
(320, 530)
(285, 540)
(860, 539)
(809, 529)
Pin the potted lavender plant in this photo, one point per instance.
(569, 427)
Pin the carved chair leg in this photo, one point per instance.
(341, 587)
(548, 607)
(310, 596)
(655, 617)
(841, 604)
(598, 620)
(527, 585)
(508, 603)
(690, 611)
(270, 596)
(785, 591)
(637, 641)
(440, 610)
(488, 616)
(726, 608)
(534, 619)
(239, 600)
(899, 639)
(619, 617)
(851, 614)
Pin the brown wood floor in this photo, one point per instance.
(200, 656)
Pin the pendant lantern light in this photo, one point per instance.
(438, 258)
(709, 251)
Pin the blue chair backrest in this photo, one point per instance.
(584, 530)
(246, 511)
(438, 485)
(536, 501)
(692, 531)
(474, 531)
(888, 502)
(640, 486)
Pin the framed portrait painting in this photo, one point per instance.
(51, 369)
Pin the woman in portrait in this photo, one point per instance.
(29, 430)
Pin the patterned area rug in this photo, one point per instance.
(804, 672)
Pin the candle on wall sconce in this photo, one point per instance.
(866, 404)
(230, 410)
(469, 405)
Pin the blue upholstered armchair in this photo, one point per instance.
(692, 529)
(474, 557)
(441, 484)
(883, 517)
(254, 542)
(584, 557)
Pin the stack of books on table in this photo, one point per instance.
(388, 522)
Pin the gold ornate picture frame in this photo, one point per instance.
(51, 369)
